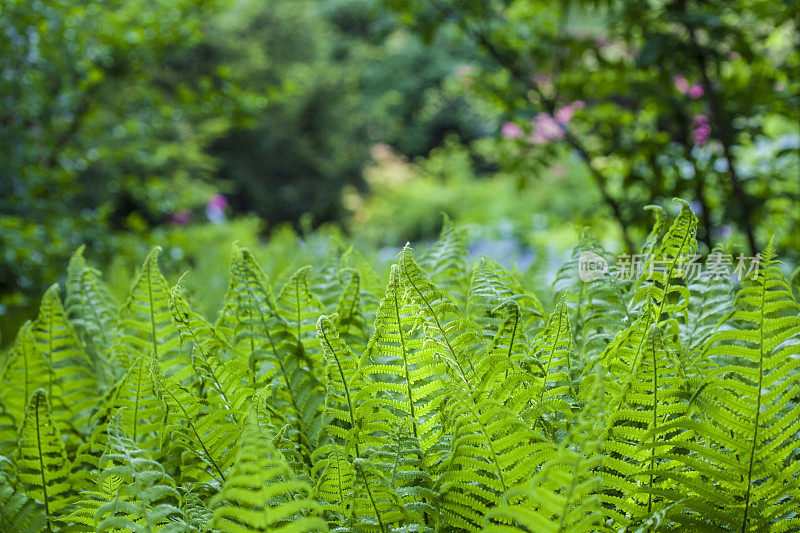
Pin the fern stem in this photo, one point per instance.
(45, 499)
(758, 404)
(405, 363)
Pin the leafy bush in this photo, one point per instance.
(446, 397)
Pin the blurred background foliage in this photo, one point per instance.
(194, 123)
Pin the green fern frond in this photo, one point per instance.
(452, 338)
(146, 323)
(25, 370)
(73, 385)
(489, 287)
(350, 321)
(564, 495)
(262, 492)
(300, 309)
(401, 380)
(21, 513)
(342, 385)
(553, 362)
(662, 283)
(93, 312)
(446, 259)
(335, 487)
(741, 471)
(41, 460)
(204, 435)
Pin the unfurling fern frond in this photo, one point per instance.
(742, 471)
(41, 461)
(262, 493)
(564, 495)
(146, 326)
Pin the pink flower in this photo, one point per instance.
(545, 129)
(681, 84)
(511, 130)
(565, 114)
(218, 202)
(702, 130)
(733, 56)
(696, 91)
(181, 218)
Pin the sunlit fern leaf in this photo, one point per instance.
(652, 395)
(453, 338)
(564, 495)
(489, 287)
(663, 281)
(41, 461)
(299, 310)
(146, 323)
(350, 321)
(203, 434)
(25, 370)
(741, 471)
(492, 450)
(401, 381)
(262, 493)
(446, 260)
(342, 385)
(554, 363)
(20, 513)
(710, 301)
(196, 511)
(73, 386)
(93, 312)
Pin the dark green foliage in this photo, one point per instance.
(676, 407)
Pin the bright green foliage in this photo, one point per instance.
(262, 493)
(635, 404)
(41, 460)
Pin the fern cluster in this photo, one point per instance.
(449, 399)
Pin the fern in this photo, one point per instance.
(747, 417)
(41, 460)
(262, 493)
(21, 513)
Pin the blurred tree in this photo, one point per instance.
(669, 98)
(104, 117)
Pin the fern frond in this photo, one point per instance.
(21, 513)
(25, 369)
(41, 460)
(73, 384)
(300, 309)
(146, 323)
(452, 337)
(446, 259)
(746, 416)
(93, 312)
(350, 315)
(401, 380)
(564, 495)
(262, 492)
